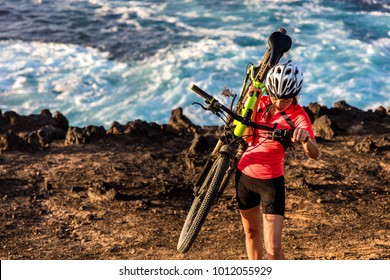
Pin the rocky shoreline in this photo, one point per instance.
(38, 131)
(123, 193)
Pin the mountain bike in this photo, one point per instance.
(222, 161)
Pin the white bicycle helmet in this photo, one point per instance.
(284, 80)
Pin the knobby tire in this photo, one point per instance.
(202, 204)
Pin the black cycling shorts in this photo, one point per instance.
(269, 193)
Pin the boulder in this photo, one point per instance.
(342, 104)
(322, 127)
(116, 128)
(76, 135)
(34, 130)
(344, 119)
(61, 121)
(12, 142)
(365, 146)
(137, 128)
(180, 122)
(49, 134)
(315, 110)
(381, 111)
(142, 128)
(15, 123)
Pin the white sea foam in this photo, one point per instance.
(55, 76)
(91, 89)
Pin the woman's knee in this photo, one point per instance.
(251, 221)
(252, 232)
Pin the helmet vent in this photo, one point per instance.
(284, 84)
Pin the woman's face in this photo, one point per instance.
(281, 104)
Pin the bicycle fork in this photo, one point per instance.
(232, 168)
(220, 150)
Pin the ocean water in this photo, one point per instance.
(102, 61)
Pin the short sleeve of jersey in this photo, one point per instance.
(301, 119)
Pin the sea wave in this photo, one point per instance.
(99, 61)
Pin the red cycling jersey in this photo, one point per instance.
(264, 158)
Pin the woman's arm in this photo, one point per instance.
(311, 148)
(309, 144)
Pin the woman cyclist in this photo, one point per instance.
(260, 175)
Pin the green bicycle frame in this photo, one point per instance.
(250, 102)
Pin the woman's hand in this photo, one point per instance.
(309, 144)
(300, 135)
(254, 89)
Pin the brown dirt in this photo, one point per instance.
(126, 197)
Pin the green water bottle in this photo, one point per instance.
(246, 112)
(250, 103)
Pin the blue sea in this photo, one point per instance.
(102, 61)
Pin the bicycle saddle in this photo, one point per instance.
(279, 43)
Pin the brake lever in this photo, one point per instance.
(208, 108)
(197, 103)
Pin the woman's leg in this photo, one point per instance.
(251, 220)
(273, 226)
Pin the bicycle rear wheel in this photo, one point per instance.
(202, 204)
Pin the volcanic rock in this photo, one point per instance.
(86, 193)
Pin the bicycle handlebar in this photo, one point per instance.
(216, 104)
(202, 93)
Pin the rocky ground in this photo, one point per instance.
(88, 193)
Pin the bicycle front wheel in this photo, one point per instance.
(202, 204)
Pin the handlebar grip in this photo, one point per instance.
(201, 92)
